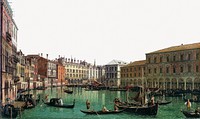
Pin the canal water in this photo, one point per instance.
(97, 100)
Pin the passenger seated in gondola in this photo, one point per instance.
(104, 109)
(152, 100)
(195, 98)
(115, 107)
(197, 111)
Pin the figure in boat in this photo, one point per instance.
(104, 109)
(87, 104)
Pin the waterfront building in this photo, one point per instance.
(61, 74)
(31, 72)
(112, 72)
(76, 72)
(8, 60)
(52, 73)
(101, 74)
(132, 74)
(176, 67)
(92, 72)
(40, 70)
(22, 84)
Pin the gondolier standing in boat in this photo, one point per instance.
(87, 104)
(188, 104)
(46, 98)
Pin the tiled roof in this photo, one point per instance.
(140, 62)
(178, 48)
(116, 62)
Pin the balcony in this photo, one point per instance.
(8, 37)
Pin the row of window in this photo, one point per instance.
(174, 69)
(181, 57)
(131, 69)
(111, 68)
(131, 75)
(75, 75)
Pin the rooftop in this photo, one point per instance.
(178, 48)
(140, 62)
(113, 62)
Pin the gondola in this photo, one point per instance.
(191, 114)
(10, 111)
(141, 110)
(30, 103)
(101, 112)
(161, 102)
(68, 91)
(57, 102)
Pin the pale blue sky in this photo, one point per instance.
(105, 29)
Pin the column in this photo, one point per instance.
(184, 84)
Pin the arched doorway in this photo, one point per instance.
(174, 83)
(189, 84)
(135, 82)
(197, 83)
(161, 83)
(167, 83)
(181, 84)
(149, 83)
(155, 82)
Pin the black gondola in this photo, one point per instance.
(68, 91)
(141, 110)
(191, 114)
(10, 111)
(101, 112)
(57, 102)
(161, 102)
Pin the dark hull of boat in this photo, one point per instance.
(191, 114)
(164, 103)
(60, 106)
(69, 92)
(113, 89)
(101, 112)
(141, 110)
(7, 111)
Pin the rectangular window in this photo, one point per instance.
(149, 71)
(174, 58)
(182, 57)
(181, 69)
(189, 56)
(161, 59)
(197, 56)
(155, 70)
(197, 68)
(167, 58)
(149, 59)
(155, 59)
(174, 69)
(161, 70)
(189, 68)
(167, 69)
